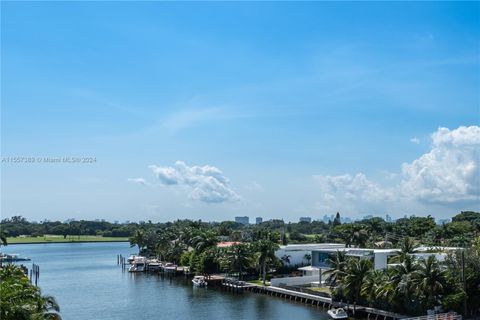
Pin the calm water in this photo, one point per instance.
(88, 284)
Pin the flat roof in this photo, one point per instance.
(312, 245)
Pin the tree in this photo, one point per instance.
(337, 221)
(430, 281)
(204, 239)
(308, 257)
(286, 259)
(336, 273)
(407, 246)
(265, 249)
(23, 301)
(138, 239)
(3, 238)
(237, 258)
(355, 275)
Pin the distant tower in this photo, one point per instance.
(243, 220)
(258, 220)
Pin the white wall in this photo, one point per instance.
(297, 251)
(293, 281)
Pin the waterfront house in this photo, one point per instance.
(297, 252)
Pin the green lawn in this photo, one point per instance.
(55, 238)
(322, 289)
(258, 282)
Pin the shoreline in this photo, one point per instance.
(55, 242)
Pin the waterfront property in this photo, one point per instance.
(297, 253)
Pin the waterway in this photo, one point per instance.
(88, 284)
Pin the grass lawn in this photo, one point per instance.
(259, 282)
(55, 238)
(321, 289)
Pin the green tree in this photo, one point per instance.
(265, 250)
(237, 258)
(337, 263)
(20, 300)
(356, 273)
(429, 280)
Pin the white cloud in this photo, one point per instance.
(203, 183)
(448, 173)
(415, 140)
(139, 181)
(349, 191)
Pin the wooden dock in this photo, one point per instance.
(318, 301)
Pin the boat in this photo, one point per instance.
(12, 257)
(199, 281)
(138, 264)
(338, 313)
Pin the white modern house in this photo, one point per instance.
(297, 252)
(312, 274)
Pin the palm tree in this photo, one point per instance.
(3, 238)
(237, 258)
(265, 255)
(138, 239)
(337, 263)
(356, 273)
(50, 308)
(204, 240)
(407, 246)
(286, 259)
(399, 288)
(307, 257)
(373, 285)
(430, 281)
(174, 251)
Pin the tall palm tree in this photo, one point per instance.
(355, 275)
(337, 263)
(430, 281)
(399, 289)
(237, 258)
(265, 249)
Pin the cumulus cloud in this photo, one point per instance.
(448, 173)
(415, 140)
(352, 188)
(203, 183)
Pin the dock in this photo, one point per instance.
(317, 301)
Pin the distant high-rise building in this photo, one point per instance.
(243, 220)
(258, 220)
(306, 219)
(388, 218)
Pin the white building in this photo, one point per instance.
(297, 252)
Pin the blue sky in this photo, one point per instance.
(212, 110)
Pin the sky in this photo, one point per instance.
(160, 110)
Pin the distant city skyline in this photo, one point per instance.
(162, 111)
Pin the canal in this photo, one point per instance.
(88, 284)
